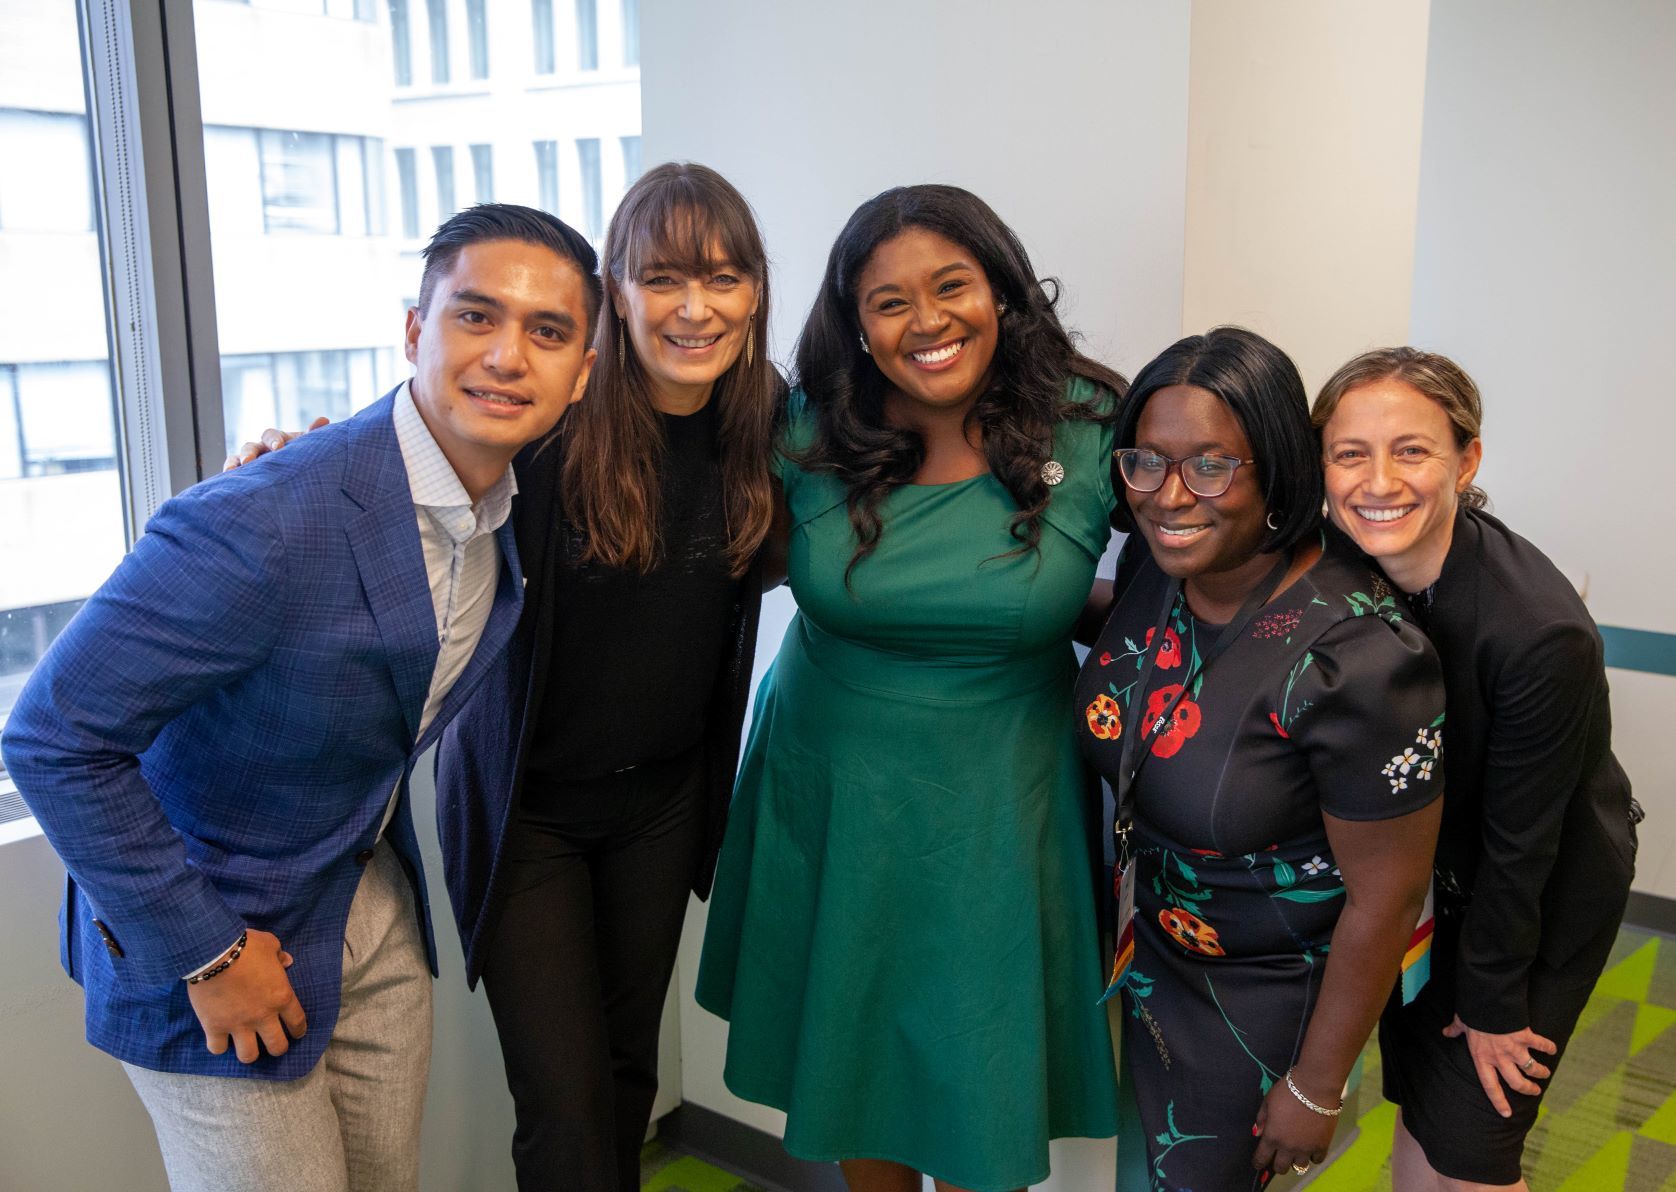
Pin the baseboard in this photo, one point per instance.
(1651, 912)
(749, 1153)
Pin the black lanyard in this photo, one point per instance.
(1128, 765)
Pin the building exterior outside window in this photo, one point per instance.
(401, 41)
(442, 156)
(318, 206)
(437, 11)
(477, 35)
(587, 35)
(483, 173)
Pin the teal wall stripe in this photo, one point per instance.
(1639, 650)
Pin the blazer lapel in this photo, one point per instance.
(384, 537)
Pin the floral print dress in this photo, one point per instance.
(1330, 700)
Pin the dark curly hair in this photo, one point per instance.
(1034, 360)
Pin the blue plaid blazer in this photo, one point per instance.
(212, 741)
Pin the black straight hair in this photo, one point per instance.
(508, 221)
(1261, 385)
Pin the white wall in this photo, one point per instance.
(1069, 118)
(1303, 172)
(1545, 263)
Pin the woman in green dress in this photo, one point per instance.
(903, 932)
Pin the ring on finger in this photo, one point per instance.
(1300, 1168)
(1530, 1062)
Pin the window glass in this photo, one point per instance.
(437, 11)
(59, 480)
(407, 179)
(483, 173)
(547, 175)
(401, 42)
(593, 198)
(442, 157)
(298, 182)
(477, 32)
(631, 32)
(587, 35)
(631, 161)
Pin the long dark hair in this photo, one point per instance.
(1035, 358)
(1261, 385)
(677, 214)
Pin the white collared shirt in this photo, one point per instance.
(462, 556)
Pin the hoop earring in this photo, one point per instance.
(864, 347)
(1272, 521)
(750, 341)
(622, 352)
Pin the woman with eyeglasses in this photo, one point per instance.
(1537, 848)
(1271, 722)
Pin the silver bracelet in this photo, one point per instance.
(1307, 1103)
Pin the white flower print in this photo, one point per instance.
(1425, 774)
(1407, 760)
(1399, 783)
(1315, 866)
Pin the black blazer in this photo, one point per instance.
(1537, 849)
(480, 766)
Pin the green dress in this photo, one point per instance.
(902, 933)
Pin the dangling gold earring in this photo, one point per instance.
(750, 341)
(622, 352)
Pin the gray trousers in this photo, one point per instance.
(351, 1124)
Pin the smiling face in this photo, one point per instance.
(499, 354)
(687, 328)
(930, 321)
(1195, 537)
(1394, 474)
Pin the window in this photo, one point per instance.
(299, 190)
(477, 34)
(442, 157)
(483, 173)
(541, 21)
(631, 160)
(631, 32)
(62, 495)
(407, 181)
(291, 389)
(55, 192)
(593, 200)
(587, 35)
(437, 10)
(402, 43)
(547, 175)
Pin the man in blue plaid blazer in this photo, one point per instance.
(218, 745)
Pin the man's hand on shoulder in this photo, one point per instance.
(251, 1000)
(271, 439)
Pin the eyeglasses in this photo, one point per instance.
(1203, 475)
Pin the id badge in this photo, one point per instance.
(1123, 883)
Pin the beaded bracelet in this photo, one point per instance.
(1307, 1103)
(222, 965)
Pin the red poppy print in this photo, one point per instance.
(1105, 719)
(1190, 931)
(1183, 723)
(1274, 719)
(1169, 654)
(1105, 658)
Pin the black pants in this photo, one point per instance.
(580, 962)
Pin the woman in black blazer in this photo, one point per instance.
(1537, 848)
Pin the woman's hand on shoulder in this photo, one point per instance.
(1505, 1058)
(270, 440)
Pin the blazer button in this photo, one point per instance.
(111, 946)
(362, 857)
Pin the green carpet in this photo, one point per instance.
(1608, 1123)
(1609, 1120)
